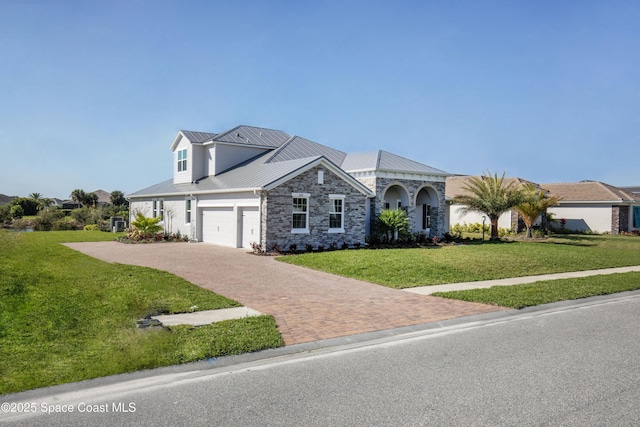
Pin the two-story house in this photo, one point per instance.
(255, 185)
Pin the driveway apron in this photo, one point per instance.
(307, 305)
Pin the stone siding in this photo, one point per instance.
(277, 212)
(619, 219)
(379, 185)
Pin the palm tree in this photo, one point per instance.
(535, 203)
(78, 196)
(489, 195)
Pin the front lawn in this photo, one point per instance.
(405, 268)
(65, 316)
(545, 292)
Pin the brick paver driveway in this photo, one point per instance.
(308, 305)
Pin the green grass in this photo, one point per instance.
(404, 268)
(67, 317)
(519, 296)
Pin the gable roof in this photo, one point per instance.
(258, 173)
(197, 137)
(384, 161)
(455, 184)
(589, 191)
(243, 135)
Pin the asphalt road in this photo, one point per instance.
(568, 364)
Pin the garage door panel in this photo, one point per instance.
(250, 224)
(218, 226)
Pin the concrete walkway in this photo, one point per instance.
(463, 286)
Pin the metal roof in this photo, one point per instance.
(298, 147)
(385, 161)
(197, 137)
(252, 174)
(249, 135)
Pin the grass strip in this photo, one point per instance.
(65, 316)
(548, 291)
(405, 268)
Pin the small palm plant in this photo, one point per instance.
(394, 221)
(145, 228)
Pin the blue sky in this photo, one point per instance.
(93, 93)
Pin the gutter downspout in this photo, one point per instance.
(194, 218)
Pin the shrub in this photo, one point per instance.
(91, 227)
(393, 222)
(63, 224)
(276, 248)
(293, 247)
(333, 246)
(17, 211)
(146, 228)
(308, 247)
(345, 246)
(257, 248)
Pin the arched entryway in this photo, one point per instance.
(426, 208)
(395, 197)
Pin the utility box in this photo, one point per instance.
(118, 224)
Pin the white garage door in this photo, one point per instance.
(250, 226)
(218, 226)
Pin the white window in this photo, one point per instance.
(336, 213)
(300, 219)
(426, 217)
(182, 160)
(187, 213)
(320, 177)
(158, 208)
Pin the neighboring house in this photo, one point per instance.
(262, 186)
(595, 206)
(635, 190)
(455, 187)
(6, 199)
(104, 198)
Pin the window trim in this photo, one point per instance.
(157, 208)
(182, 160)
(332, 198)
(305, 197)
(188, 211)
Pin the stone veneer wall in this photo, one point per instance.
(378, 185)
(277, 212)
(619, 219)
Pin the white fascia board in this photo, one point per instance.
(329, 165)
(594, 202)
(195, 193)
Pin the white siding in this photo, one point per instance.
(584, 217)
(174, 214)
(184, 176)
(223, 156)
(456, 217)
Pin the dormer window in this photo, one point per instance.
(182, 160)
